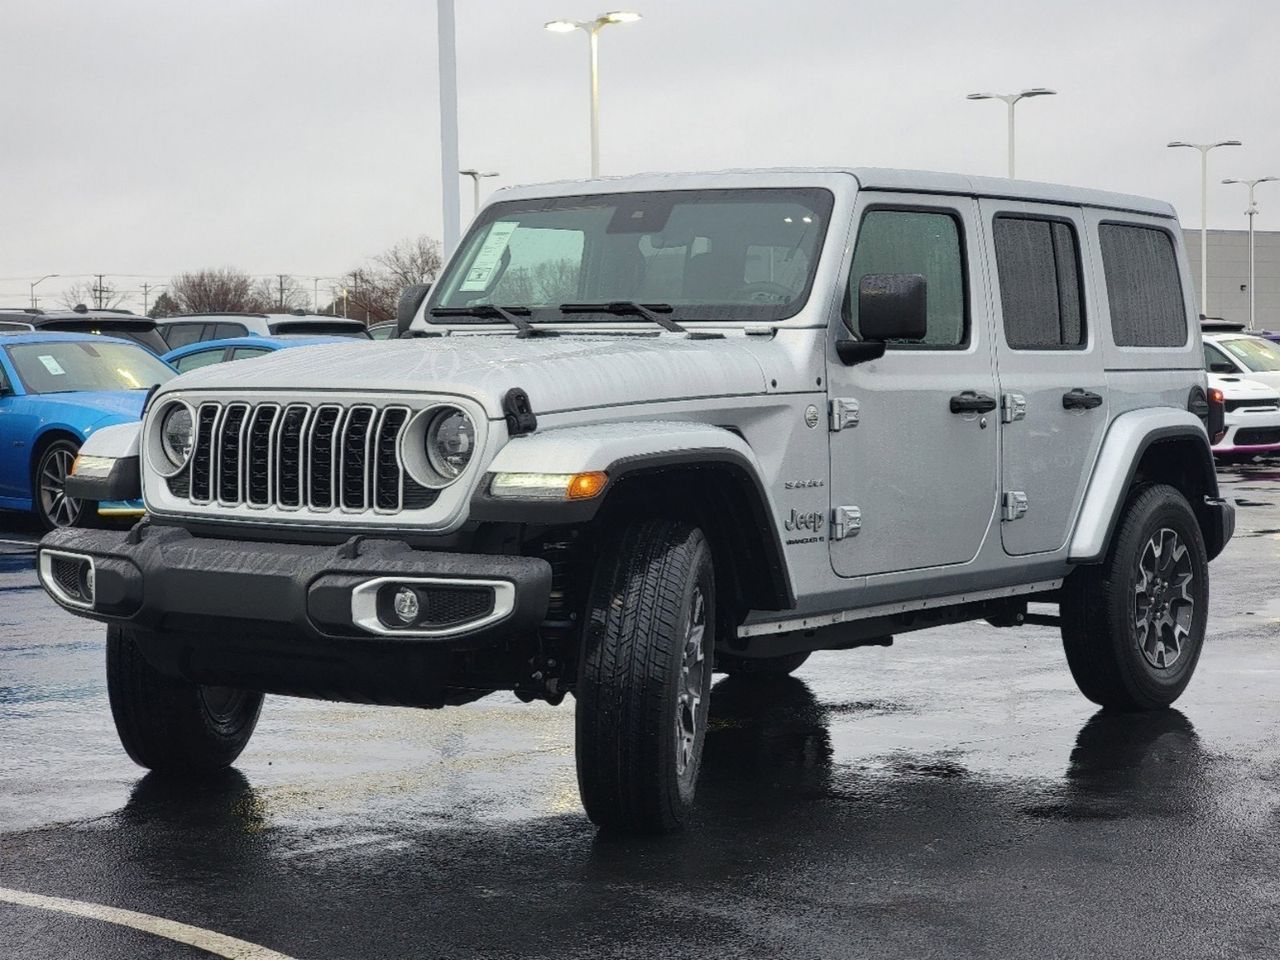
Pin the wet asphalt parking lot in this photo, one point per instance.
(952, 796)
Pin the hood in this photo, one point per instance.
(559, 373)
(95, 407)
(1241, 388)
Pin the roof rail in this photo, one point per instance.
(32, 310)
(216, 313)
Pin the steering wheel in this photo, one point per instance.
(764, 291)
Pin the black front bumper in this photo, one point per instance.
(281, 617)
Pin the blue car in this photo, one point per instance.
(55, 390)
(206, 352)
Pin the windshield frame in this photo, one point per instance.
(820, 198)
(34, 347)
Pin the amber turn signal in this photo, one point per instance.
(584, 486)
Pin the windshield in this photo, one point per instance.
(738, 255)
(1260, 356)
(74, 365)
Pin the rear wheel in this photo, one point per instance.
(762, 667)
(53, 508)
(644, 678)
(172, 725)
(1133, 626)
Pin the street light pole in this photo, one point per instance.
(592, 29)
(1204, 149)
(476, 176)
(34, 283)
(1251, 213)
(1011, 101)
(448, 125)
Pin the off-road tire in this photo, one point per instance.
(172, 725)
(761, 667)
(636, 757)
(1100, 606)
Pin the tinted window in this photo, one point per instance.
(245, 353)
(181, 334)
(1038, 264)
(320, 328)
(224, 331)
(201, 358)
(1215, 361)
(1143, 286)
(908, 241)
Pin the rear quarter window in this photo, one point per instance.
(1143, 286)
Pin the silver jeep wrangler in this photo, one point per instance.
(649, 427)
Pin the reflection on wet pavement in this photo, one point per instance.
(951, 796)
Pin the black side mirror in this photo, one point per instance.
(410, 300)
(891, 306)
(1221, 366)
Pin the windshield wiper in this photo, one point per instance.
(513, 315)
(630, 308)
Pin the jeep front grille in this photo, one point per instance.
(299, 456)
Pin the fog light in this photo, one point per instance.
(88, 579)
(405, 605)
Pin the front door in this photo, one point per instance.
(1049, 361)
(921, 477)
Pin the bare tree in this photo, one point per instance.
(374, 290)
(95, 295)
(213, 291)
(281, 293)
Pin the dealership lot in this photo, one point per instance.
(950, 796)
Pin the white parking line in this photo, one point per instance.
(215, 943)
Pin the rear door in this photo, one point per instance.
(1049, 362)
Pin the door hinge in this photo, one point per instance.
(845, 522)
(1015, 504)
(1013, 406)
(844, 413)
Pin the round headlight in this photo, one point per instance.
(177, 434)
(451, 440)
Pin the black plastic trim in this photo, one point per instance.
(124, 482)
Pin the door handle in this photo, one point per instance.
(1077, 399)
(970, 402)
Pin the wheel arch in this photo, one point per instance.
(1147, 446)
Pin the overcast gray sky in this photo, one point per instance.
(146, 137)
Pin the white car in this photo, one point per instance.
(1239, 353)
(1252, 418)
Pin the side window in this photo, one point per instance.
(912, 241)
(1143, 286)
(244, 353)
(180, 334)
(1038, 264)
(224, 331)
(1215, 361)
(201, 358)
(4, 383)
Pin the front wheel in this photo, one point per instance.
(53, 508)
(1133, 626)
(172, 725)
(644, 678)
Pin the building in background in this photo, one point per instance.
(1229, 274)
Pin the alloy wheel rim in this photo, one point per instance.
(693, 662)
(61, 509)
(1163, 605)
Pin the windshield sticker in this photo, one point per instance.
(486, 262)
(52, 365)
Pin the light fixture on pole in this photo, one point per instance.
(1204, 149)
(47, 276)
(592, 29)
(476, 176)
(1251, 213)
(1011, 100)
